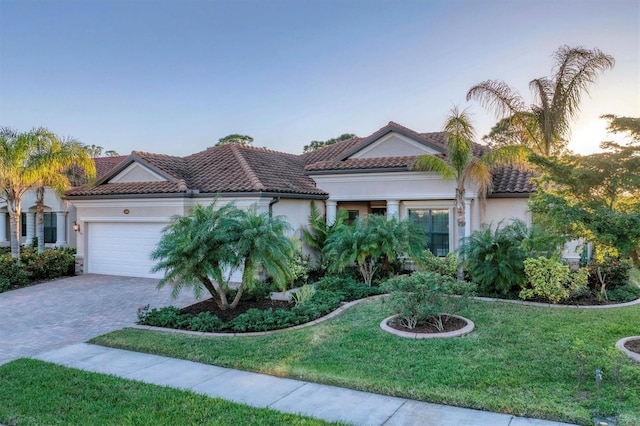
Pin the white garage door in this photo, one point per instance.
(122, 248)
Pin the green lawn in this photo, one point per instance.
(37, 393)
(521, 360)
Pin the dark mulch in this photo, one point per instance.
(633, 345)
(210, 306)
(452, 324)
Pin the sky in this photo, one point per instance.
(174, 76)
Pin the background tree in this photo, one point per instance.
(556, 99)
(371, 241)
(96, 151)
(464, 167)
(596, 197)
(236, 139)
(53, 158)
(313, 145)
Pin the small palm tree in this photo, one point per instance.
(197, 250)
(319, 231)
(545, 123)
(261, 241)
(371, 241)
(466, 168)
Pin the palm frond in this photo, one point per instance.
(431, 163)
(498, 97)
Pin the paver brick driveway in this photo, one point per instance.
(72, 310)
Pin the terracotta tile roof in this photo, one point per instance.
(237, 168)
(227, 168)
(363, 163)
(510, 180)
(105, 164)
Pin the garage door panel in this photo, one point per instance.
(122, 248)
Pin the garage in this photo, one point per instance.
(122, 248)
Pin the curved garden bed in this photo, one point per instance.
(467, 327)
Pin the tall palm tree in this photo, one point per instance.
(54, 158)
(466, 168)
(19, 173)
(556, 100)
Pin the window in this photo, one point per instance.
(436, 223)
(351, 217)
(50, 228)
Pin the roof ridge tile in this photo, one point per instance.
(253, 178)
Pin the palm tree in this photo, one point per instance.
(372, 241)
(319, 231)
(556, 99)
(197, 249)
(262, 243)
(466, 168)
(54, 157)
(19, 173)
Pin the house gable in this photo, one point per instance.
(394, 145)
(136, 172)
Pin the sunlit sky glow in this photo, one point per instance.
(175, 76)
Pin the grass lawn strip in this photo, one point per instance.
(521, 360)
(35, 392)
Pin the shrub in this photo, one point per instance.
(168, 316)
(51, 263)
(206, 321)
(624, 293)
(551, 280)
(447, 266)
(423, 297)
(614, 271)
(303, 294)
(347, 287)
(4, 284)
(12, 272)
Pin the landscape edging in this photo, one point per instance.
(620, 345)
(552, 305)
(411, 335)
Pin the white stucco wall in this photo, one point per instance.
(505, 209)
(393, 145)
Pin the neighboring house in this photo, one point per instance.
(59, 215)
(121, 216)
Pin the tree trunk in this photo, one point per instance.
(15, 209)
(461, 221)
(219, 296)
(40, 218)
(247, 275)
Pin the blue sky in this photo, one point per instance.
(175, 76)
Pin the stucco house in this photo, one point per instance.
(121, 216)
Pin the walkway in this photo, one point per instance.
(286, 395)
(73, 310)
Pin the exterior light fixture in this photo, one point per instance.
(76, 226)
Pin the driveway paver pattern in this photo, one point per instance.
(72, 310)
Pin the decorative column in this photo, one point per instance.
(3, 228)
(61, 229)
(467, 217)
(31, 228)
(392, 209)
(331, 211)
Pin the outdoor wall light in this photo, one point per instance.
(76, 226)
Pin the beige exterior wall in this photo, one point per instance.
(393, 145)
(505, 209)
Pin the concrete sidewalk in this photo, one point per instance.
(285, 395)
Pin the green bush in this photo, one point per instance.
(347, 287)
(495, 259)
(551, 280)
(425, 297)
(50, 264)
(4, 284)
(624, 293)
(447, 266)
(302, 295)
(206, 321)
(614, 271)
(13, 273)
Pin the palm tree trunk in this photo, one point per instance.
(14, 209)
(40, 218)
(461, 221)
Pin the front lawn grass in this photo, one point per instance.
(520, 359)
(37, 393)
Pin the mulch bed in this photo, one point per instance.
(633, 345)
(210, 306)
(452, 324)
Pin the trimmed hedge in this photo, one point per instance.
(34, 267)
